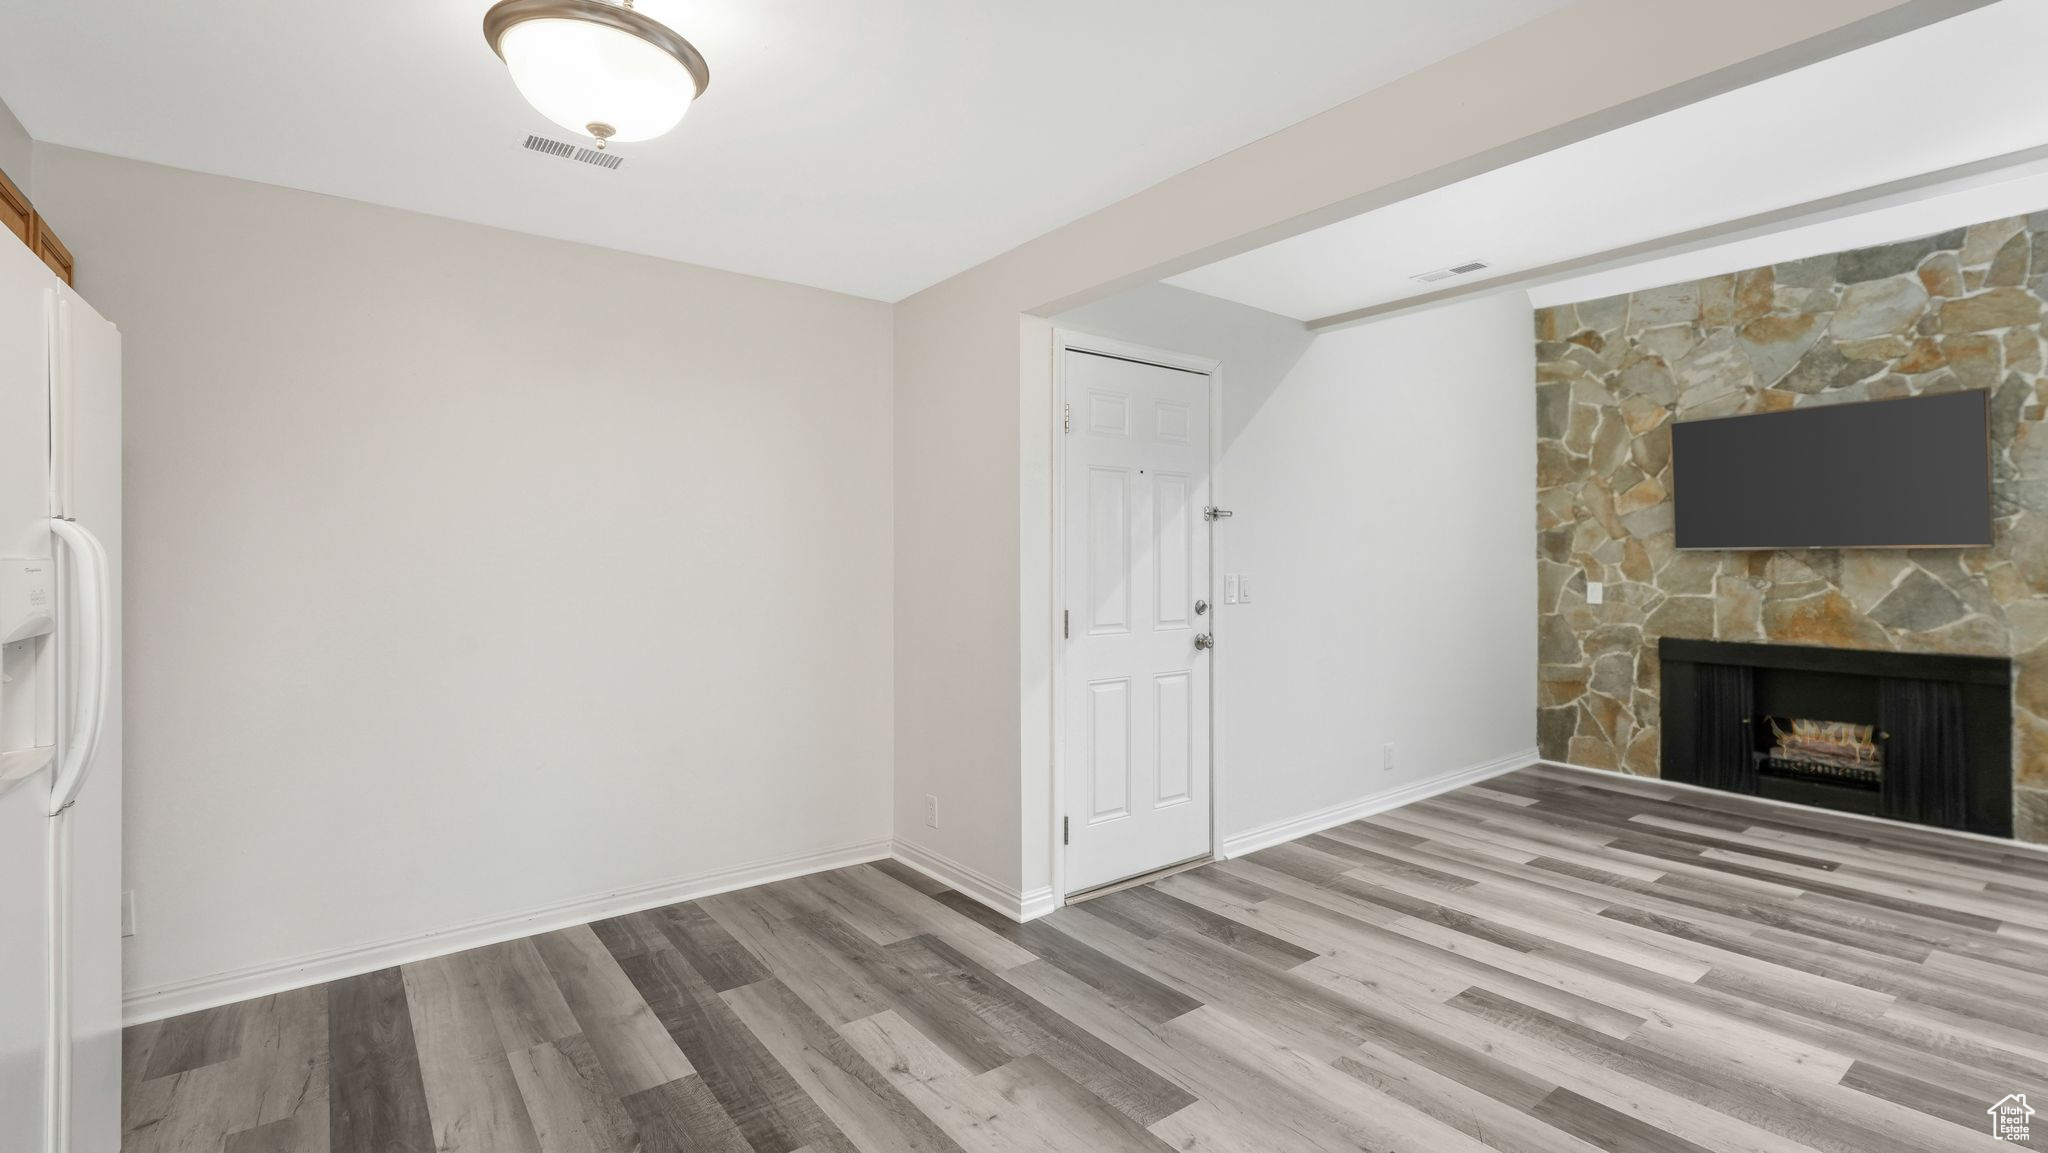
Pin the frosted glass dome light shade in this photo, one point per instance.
(596, 68)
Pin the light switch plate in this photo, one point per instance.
(1244, 589)
(1230, 588)
(1596, 593)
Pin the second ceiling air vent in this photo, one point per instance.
(1465, 269)
(569, 151)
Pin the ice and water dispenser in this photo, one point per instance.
(28, 666)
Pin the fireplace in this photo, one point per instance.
(1911, 736)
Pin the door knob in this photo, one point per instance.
(1201, 607)
(1204, 641)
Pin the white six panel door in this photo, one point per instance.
(1136, 548)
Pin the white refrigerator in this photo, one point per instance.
(60, 715)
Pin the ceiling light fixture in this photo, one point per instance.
(597, 68)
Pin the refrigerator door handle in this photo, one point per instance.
(89, 566)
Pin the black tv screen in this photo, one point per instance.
(1911, 473)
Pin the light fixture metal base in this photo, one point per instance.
(506, 13)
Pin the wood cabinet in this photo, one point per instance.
(49, 248)
(18, 216)
(15, 214)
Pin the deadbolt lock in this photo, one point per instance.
(1201, 607)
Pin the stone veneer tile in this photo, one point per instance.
(2030, 815)
(1959, 310)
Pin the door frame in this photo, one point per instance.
(1066, 340)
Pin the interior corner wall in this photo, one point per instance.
(1379, 479)
(474, 576)
(1257, 349)
(958, 594)
(17, 152)
(961, 700)
(1378, 494)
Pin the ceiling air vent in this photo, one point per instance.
(569, 151)
(1464, 269)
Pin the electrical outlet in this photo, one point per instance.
(1596, 593)
(931, 811)
(127, 912)
(1387, 758)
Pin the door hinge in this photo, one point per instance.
(1066, 624)
(1067, 419)
(1214, 513)
(1066, 833)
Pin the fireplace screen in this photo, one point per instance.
(1923, 737)
(1832, 750)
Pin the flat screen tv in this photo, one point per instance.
(1908, 473)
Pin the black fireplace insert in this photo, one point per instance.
(1921, 737)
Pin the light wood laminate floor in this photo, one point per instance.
(1553, 961)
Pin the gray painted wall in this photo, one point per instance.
(17, 151)
(471, 574)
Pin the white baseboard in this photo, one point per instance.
(156, 1002)
(2008, 842)
(1268, 835)
(972, 882)
(168, 1000)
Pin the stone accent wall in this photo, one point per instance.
(1962, 310)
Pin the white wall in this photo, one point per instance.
(1382, 497)
(1382, 478)
(973, 498)
(472, 573)
(956, 574)
(1258, 348)
(17, 152)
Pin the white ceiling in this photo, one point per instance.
(869, 146)
(2015, 191)
(1962, 90)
